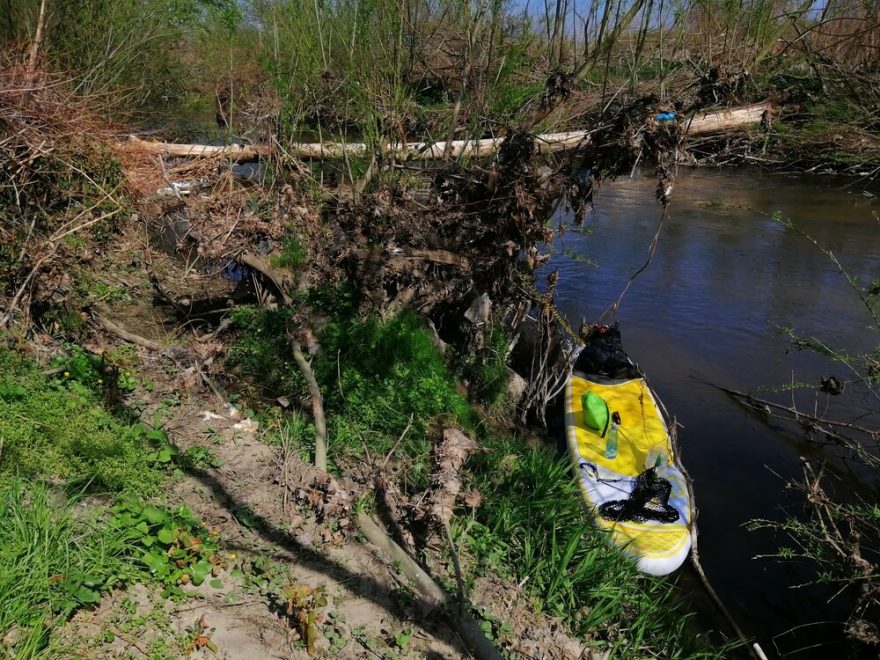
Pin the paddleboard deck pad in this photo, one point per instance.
(619, 444)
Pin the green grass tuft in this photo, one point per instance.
(487, 373)
(533, 527)
(51, 564)
(292, 255)
(261, 351)
(379, 377)
(389, 371)
(375, 377)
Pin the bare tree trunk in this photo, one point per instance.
(317, 405)
(558, 34)
(714, 121)
(34, 52)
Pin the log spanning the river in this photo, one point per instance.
(718, 121)
(708, 122)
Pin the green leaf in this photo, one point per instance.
(154, 561)
(156, 435)
(92, 580)
(216, 584)
(166, 453)
(87, 596)
(402, 638)
(122, 520)
(167, 535)
(173, 592)
(200, 571)
(154, 515)
(246, 517)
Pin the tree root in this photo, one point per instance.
(466, 627)
(272, 277)
(130, 337)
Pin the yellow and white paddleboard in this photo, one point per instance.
(659, 547)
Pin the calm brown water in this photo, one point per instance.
(703, 314)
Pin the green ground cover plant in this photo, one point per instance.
(383, 381)
(378, 378)
(59, 443)
(173, 545)
(486, 372)
(261, 352)
(292, 255)
(57, 557)
(57, 428)
(389, 370)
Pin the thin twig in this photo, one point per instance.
(818, 422)
(210, 383)
(10, 310)
(611, 312)
(397, 444)
(456, 563)
(121, 635)
(243, 603)
(755, 649)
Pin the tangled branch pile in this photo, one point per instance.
(57, 179)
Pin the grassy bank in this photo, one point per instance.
(72, 532)
(74, 518)
(57, 428)
(52, 563)
(389, 392)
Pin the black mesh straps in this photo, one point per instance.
(649, 500)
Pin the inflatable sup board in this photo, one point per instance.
(620, 447)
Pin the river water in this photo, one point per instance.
(705, 313)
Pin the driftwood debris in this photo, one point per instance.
(237, 152)
(130, 337)
(708, 122)
(718, 121)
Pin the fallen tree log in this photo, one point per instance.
(718, 121)
(236, 152)
(317, 151)
(708, 122)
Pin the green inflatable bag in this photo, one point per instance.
(596, 415)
